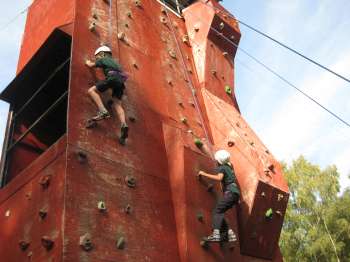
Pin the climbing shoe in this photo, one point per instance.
(215, 237)
(231, 236)
(124, 130)
(101, 115)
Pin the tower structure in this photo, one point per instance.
(72, 193)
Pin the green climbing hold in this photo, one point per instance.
(198, 143)
(228, 90)
(269, 213)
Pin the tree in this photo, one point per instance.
(317, 221)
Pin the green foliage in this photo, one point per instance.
(317, 221)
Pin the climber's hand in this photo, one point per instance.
(89, 63)
(200, 175)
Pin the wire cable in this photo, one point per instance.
(272, 71)
(282, 44)
(15, 18)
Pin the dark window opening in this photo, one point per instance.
(38, 106)
(177, 5)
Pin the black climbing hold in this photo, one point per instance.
(130, 181)
(47, 242)
(85, 242)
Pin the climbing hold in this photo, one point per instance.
(135, 65)
(267, 172)
(29, 195)
(85, 242)
(187, 57)
(184, 120)
(23, 245)
(91, 124)
(172, 54)
(45, 181)
(120, 243)
(82, 157)
(130, 181)
(222, 26)
(129, 14)
(47, 242)
(238, 124)
(251, 143)
(127, 209)
(200, 216)
(163, 20)
(186, 39)
(7, 213)
(190, 131)
(101, 206)
(170, 82)
(126, 25)
(228, 90)
(163, 10)
(214, 72)
(279, 197)
(267, 151)
(132, 119)
(189, 71)
(30, 254)
(232, 37)
(121, 36)
(191, 103)
(42, 213)
(92, 27)
(180, 104)
(263, 194)
(271, 168)
(225, 54)
(279, 213)
(95, 16)
(196, 28)
(138, 3)
(198, 143)
(230, 143)
(269, 213)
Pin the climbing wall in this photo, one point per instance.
(143, 201)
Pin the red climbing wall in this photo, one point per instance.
(180, 70)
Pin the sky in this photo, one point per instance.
(288, 123)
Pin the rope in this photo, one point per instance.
(190, 84)
(275, 73)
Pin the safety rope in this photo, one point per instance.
(273, 72)
(190, 84)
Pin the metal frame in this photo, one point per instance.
(59, 68)
(49, 110)
(8, 134)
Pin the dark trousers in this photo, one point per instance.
(228, 201)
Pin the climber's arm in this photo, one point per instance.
(217, 177)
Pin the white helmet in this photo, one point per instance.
(103, 49)
(222, 156)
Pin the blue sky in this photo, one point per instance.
(289, 124)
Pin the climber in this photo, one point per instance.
(114, 80)
(231, 193)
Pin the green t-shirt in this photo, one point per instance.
(108, 64)
(229, 181)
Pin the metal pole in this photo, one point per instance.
(51, 108)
